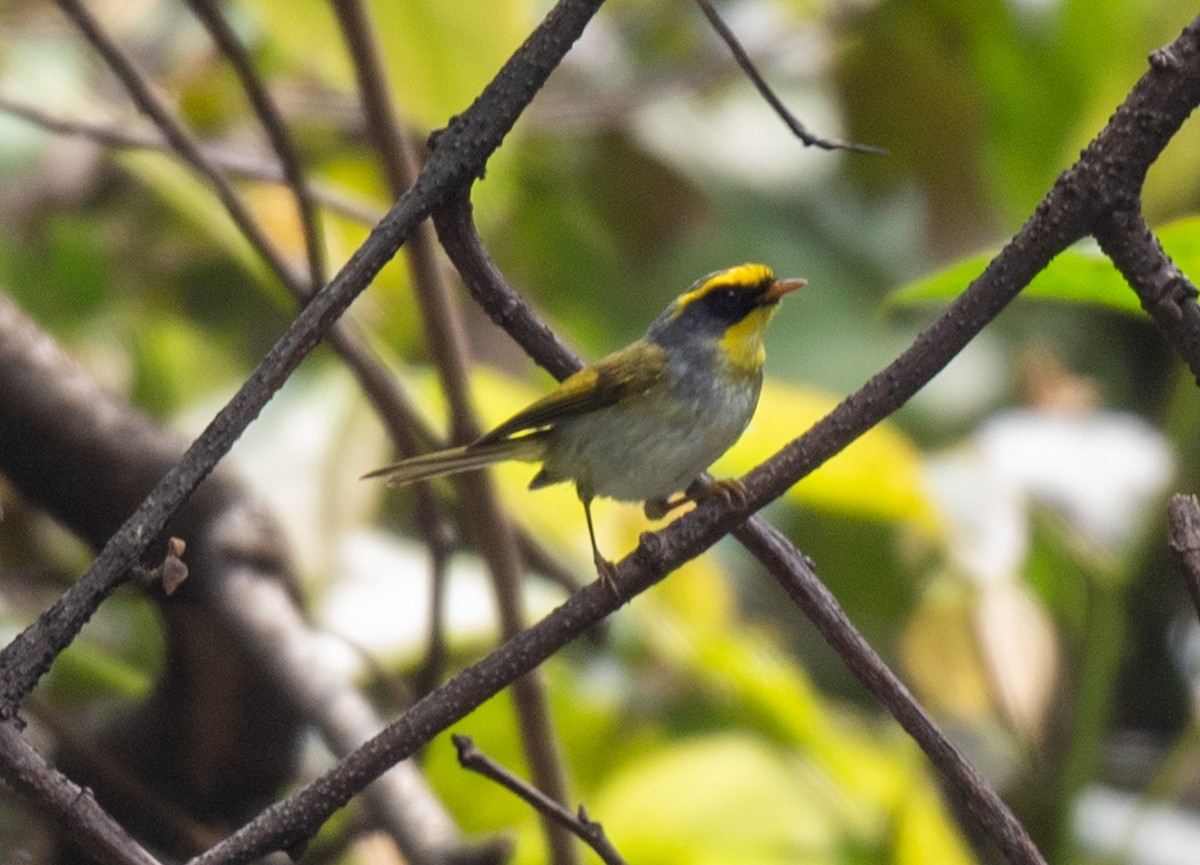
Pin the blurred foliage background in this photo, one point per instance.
(1000, 541)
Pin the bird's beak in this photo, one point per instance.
(779, 288)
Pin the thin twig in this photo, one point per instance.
(747, 65)
(1184, 515)
(110, 135)
(794, 571)
(239, 162)
(277, 132)
(446, 337)
(154, 107)
(587, 830)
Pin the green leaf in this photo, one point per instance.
(727, 798)
(61, 274)
(878, 477)
(88, 672)
(1082, 274)
(177, 362)
(438, 55)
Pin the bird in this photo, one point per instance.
(647, 420)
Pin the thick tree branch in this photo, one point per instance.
(1184, 517)
(461, 156)
(74, 808)
(1166, 292)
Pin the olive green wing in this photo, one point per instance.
(630, 371)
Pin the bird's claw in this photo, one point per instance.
(607, 572)
(731, 490)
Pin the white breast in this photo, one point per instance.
(634, 452)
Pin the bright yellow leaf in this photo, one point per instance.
(877, 477)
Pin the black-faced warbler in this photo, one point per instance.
(647, 420)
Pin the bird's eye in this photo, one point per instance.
(726, 302)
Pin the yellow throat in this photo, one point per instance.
(742, 344)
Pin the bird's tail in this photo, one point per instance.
(526, 448)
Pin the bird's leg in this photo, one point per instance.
(656, 509)
(604, 568)
(731, 491)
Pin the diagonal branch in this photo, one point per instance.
(465, 148)
(794, 572)
(1165, 291)
(73, 807)
(88, 458)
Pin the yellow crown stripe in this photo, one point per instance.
(741, 276)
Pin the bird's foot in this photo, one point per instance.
(656, 509)
(607, 572)
(731, 490)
